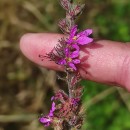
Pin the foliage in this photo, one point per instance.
(105, 108)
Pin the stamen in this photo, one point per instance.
(75, 38)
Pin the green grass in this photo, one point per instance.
(106, 111)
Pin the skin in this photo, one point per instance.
(102, 61)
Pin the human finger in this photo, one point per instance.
(101, 61)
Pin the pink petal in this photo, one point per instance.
(53, 106)
(76, 47)
(66, 51)
(44, 120)
(51, 113)
(73, 32)
(52, 98)
(47, 124)
(71, 65)
(86, 32)
(84, 40)
(61, 62)
(76, 61)
(70, 40)
(75, 53)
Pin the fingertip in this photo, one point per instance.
(32, 45)
(24, 42)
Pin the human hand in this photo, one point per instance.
(101, 61)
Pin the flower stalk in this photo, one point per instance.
(66, 112)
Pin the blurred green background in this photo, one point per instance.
(25, 89)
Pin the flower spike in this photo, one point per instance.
(66, 112)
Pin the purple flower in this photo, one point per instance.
(79, 38)
(46, 120)
(72, 63)
(70, 58)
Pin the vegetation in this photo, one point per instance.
(25, 89)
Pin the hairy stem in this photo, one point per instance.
(69, 84)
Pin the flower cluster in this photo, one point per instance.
(46, 120)
(66, 112)
(65, 109)
(67, 53)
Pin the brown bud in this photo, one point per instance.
(64, 26)
(75, 10)
(65, 4)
